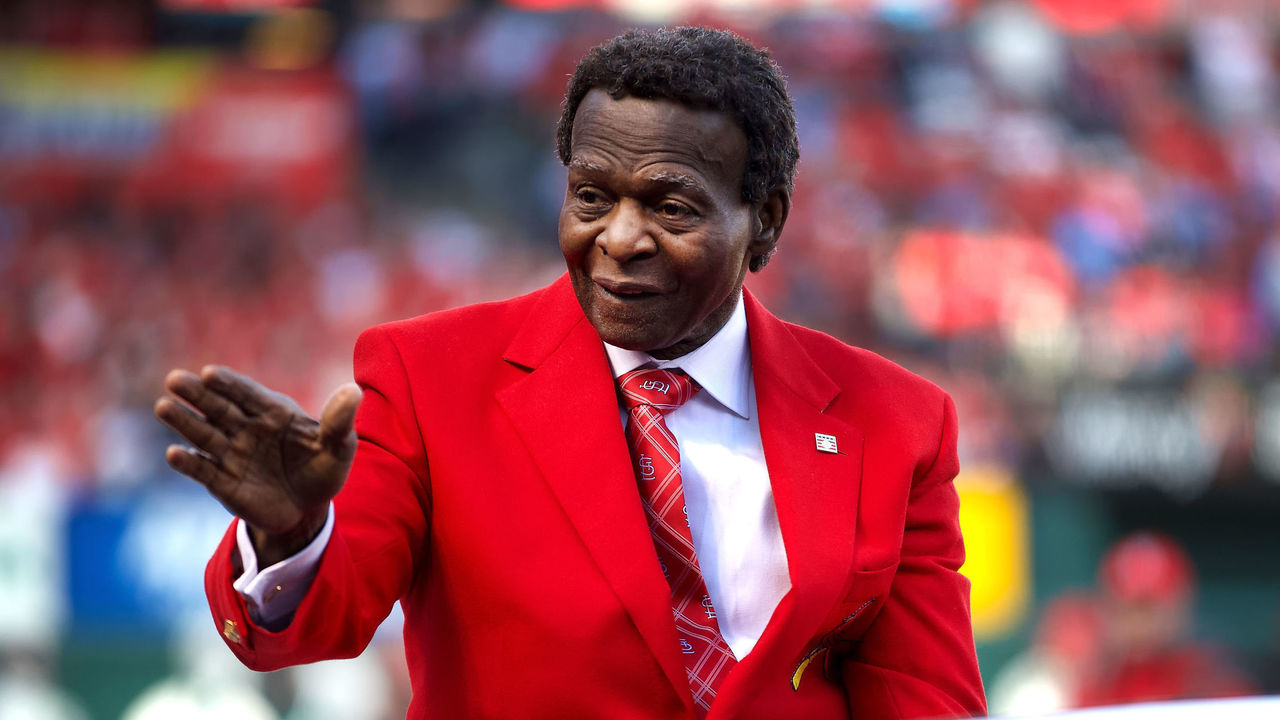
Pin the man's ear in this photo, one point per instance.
(771, 215)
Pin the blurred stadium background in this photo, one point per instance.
(1066, 212)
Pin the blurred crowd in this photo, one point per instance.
(1066, 214)
(1077, 234)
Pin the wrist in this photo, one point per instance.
(271, 548)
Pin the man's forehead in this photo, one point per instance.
(598, 100)
(702, 141)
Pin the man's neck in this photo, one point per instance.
(722, 365)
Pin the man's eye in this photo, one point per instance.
(587, 196)
(673, 209)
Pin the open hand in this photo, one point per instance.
(259, 454)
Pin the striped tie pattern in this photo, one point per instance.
(648, 395)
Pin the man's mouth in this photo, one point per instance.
(626, 290)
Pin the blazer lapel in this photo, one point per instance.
(815, 492)
(566, 411)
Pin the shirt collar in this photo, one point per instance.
(722, 365)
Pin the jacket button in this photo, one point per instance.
(230, 631)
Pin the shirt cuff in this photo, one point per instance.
(274, 594)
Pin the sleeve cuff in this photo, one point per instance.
(273, 594)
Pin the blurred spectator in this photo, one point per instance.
(33, 515)
(1147, 590)
(33, 511)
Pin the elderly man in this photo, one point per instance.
(631, 494)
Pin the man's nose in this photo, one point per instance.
(627, 233)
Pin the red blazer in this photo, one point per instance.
(493, 495)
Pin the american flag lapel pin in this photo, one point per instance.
(826, 443)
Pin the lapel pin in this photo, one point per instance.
(826, 443)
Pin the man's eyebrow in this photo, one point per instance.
(585, 165)
(661, 177)
(688, 182)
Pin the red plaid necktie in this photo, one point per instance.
(648, 394)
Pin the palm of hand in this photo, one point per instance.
(280, 469)
(256, 451)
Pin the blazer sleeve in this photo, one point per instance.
(917, 660)
(379, 537)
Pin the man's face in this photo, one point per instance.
(653, 228)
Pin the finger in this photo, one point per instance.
(202, 469)
(220, 411)
(337, 421)
(191, 426)
(242, 390)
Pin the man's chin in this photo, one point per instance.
(627, 333)
(629, 338)
(622, 327)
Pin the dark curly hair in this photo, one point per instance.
(706, 69)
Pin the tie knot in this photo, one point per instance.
(665, 390)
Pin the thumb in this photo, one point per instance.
(337, 421)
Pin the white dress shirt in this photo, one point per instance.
(726, 486)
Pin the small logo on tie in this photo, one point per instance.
(826, 443)
(707, 607)
(685, 647)
(647, 472)
(658, 385)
